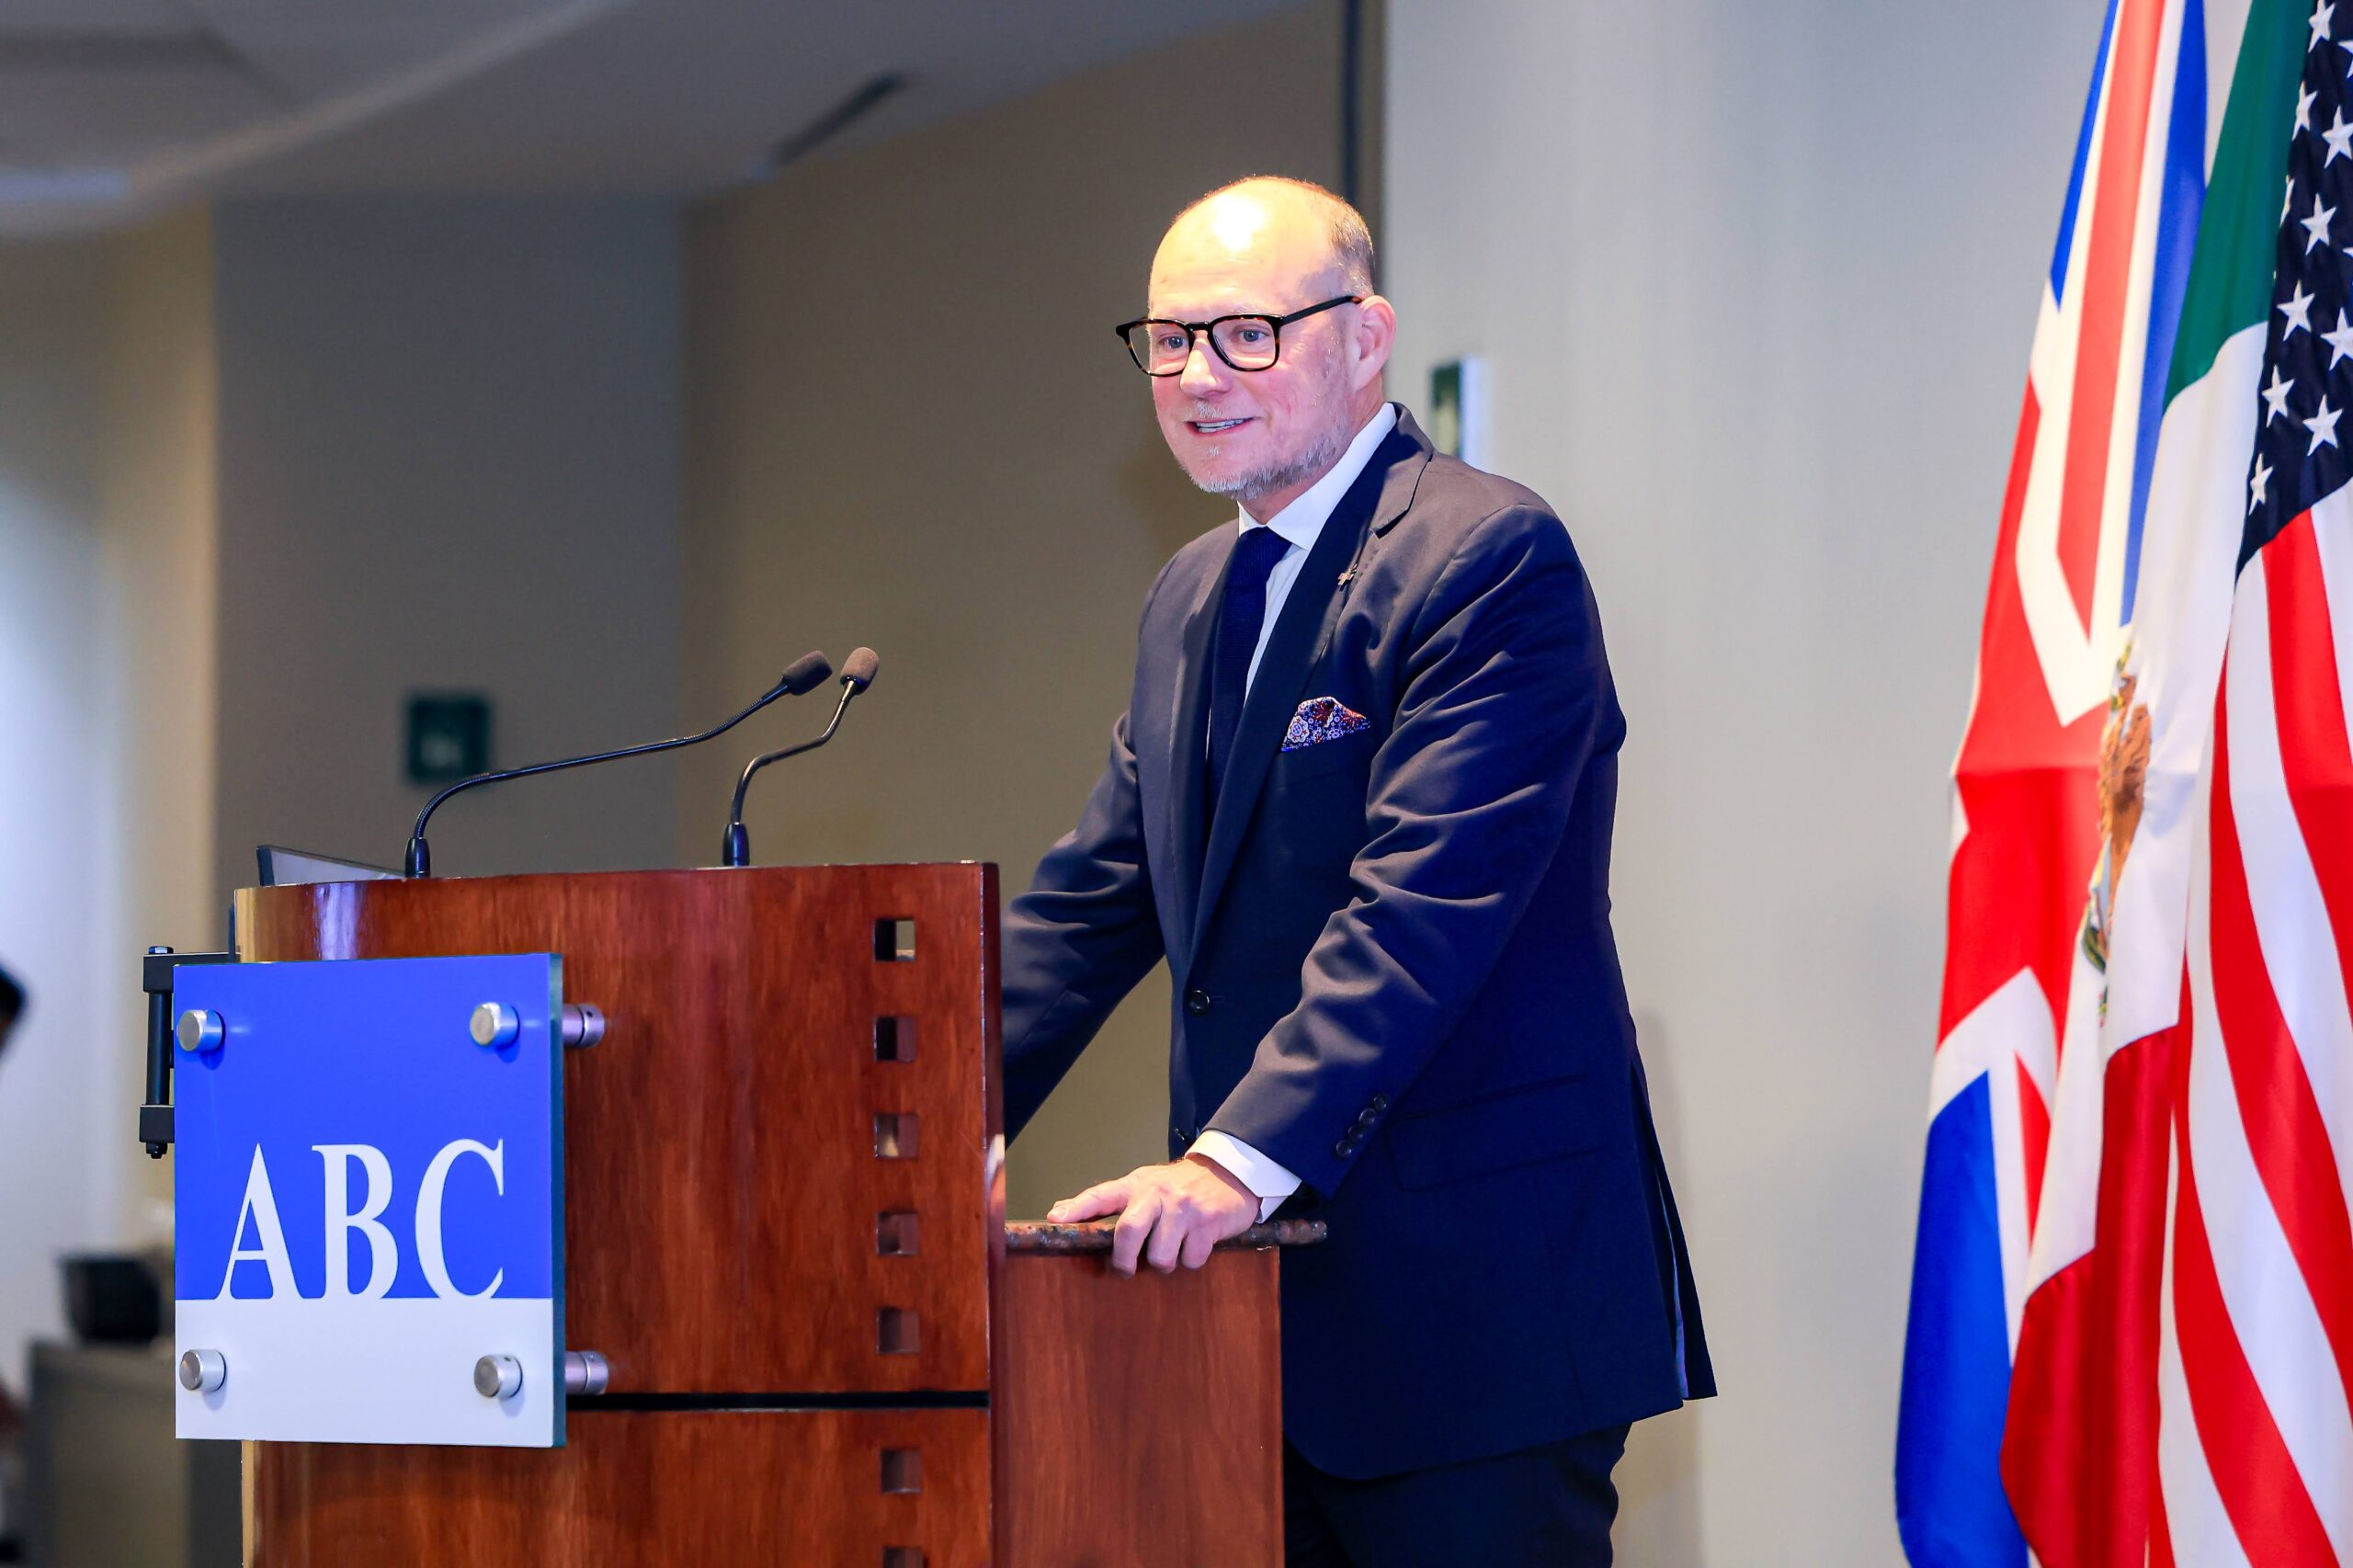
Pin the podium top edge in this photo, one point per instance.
(681, 873)
(1095, 1236)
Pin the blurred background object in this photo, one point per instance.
(111, 1298)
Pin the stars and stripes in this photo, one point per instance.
(2307, 385)
(2258, 1305)
(2261, 1299)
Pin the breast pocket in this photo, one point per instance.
(1322, 757)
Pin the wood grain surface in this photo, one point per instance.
(1141, 1419)
(704, 1488)
(722, 1188)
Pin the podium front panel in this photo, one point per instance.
(778, 1159)
(816, 1487)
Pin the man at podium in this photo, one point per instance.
(1360, 801)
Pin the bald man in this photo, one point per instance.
(1361, 803)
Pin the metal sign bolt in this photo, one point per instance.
(199, 1029)
(585, 1371)
(583, 1025)
(203, 1372)
(494, 1024)
(498, 1377)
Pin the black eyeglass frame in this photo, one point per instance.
(1193, 328)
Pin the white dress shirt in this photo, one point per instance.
(1299, 523)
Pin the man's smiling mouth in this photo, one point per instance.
(1214, 426)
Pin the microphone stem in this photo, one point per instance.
(418, 858)
(737, 850)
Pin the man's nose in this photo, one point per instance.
(1204, 372)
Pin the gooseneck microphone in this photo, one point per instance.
(857, 674)
(805, 673)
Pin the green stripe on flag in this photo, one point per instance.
(2238, 235)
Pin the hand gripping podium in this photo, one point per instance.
(669, 1209)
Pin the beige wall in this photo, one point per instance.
(158, 529)
(448, 460)
(908, 425)
(57, 1187)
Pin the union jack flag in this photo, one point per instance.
(2027, 837)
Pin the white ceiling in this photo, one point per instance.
(111, 109)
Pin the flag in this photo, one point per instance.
(2082, 1457)
(2181, 1386)
(2027, 834)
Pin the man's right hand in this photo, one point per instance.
(1168, 1214)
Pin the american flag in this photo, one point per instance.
(2256, 1350)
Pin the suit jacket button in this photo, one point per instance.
(1197, 1000)
(1380, 1104)
(1343, 1148)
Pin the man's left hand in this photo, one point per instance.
(1168, 1214)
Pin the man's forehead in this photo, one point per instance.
(1237, 252)
(1232, 286)
(1201, 299)
(1235, 223)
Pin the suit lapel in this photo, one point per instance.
(1187, 823)
(1301, 634)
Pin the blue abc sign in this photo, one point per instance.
(352, 1212)
(348, 1143)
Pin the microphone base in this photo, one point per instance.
(737, 848)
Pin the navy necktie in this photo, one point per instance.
(1240, 617)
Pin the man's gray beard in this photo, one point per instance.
(1309, 464)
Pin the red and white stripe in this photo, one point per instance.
(2256, 1380)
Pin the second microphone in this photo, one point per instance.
(857, 674)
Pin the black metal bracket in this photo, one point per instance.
(156, 968)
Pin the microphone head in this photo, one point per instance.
(806, 673)
(857, 670)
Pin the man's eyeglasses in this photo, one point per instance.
(1247, 343)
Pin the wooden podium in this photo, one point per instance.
(784, 1229)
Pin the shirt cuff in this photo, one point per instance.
(1251, 1168)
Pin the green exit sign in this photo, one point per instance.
(449, 737)
(1458, 409)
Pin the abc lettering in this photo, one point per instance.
(260, 1205)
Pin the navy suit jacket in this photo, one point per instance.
(1393, 971)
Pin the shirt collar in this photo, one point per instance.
(1300, 522)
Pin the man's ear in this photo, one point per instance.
(1376, 337)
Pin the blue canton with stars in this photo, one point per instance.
(2300, 456)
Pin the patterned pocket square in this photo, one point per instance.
(1322, 719)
